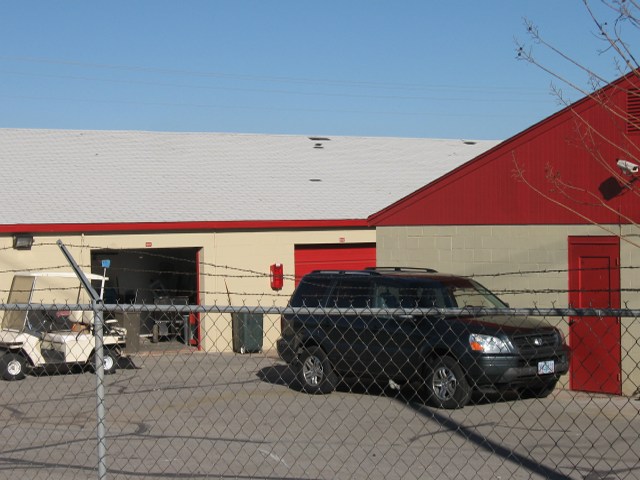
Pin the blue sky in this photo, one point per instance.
(410, 68)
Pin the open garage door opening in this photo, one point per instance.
(152, 276)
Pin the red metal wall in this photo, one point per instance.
(489, 189)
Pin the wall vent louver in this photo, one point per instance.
(633, 110)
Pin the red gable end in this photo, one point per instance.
(560, 171)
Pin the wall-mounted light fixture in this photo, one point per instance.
(22, 241)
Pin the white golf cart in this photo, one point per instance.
(37, 339)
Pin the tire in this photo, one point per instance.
(446, 384)
(155, 333)
(542, 391)
(109, 362)
(13, 366)
(314, 372)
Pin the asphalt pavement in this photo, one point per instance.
(188, 414)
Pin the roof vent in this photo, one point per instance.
(319, 141)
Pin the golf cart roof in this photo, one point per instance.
(90, 276)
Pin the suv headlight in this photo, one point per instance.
(487, 344)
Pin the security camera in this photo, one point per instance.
(627, 168)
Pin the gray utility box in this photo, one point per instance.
(247, 332)
(131, 322)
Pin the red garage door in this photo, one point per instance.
(355, 256)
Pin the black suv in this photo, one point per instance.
(392, 324)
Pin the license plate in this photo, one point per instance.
(546, 367)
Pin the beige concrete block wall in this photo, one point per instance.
(525, 265)
(234, 267)
(630, 284)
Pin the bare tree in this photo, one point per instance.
(612, 21)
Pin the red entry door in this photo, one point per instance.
(594, 282)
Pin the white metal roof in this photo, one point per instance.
(69, 176)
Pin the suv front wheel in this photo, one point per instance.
(315, 374)
(446, 384)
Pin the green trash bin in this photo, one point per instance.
(247, 332)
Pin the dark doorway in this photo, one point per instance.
(151, 276)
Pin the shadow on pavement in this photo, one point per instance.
(126, 363)
(278, 375)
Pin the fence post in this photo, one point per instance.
(97, 306)
(98, 317)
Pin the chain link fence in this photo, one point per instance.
(192, 391)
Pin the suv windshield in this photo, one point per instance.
(468, 293)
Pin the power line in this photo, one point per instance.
(275, 79)
(262, 90)
(466, 114)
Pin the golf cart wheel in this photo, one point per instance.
(447, 385)
(315, 374)
(109, 361)
(13, 366)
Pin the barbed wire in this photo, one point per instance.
(246, 274)
(280, 295)
(160, 256)
(250, 273)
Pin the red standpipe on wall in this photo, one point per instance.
(277, 276)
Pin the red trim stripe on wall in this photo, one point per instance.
(180, 226)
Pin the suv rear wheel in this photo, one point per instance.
(446, 384)
(315, 373)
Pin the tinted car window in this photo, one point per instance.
(312, 292)
(404, 293)
(352, 293)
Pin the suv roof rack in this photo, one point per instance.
(366, 271)
(401, 269)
